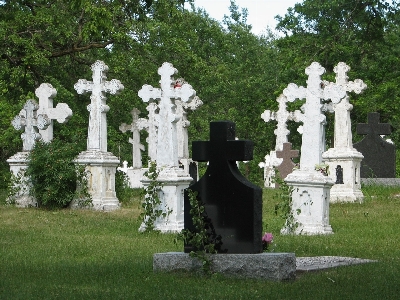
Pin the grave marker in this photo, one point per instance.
(233, 204)
(379, 156)
(62, 113)
(286, 154)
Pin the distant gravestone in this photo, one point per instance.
(287, 165)
(379, 156)
(232, 204)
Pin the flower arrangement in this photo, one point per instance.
(267, 239)
(323, 168)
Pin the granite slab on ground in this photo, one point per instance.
(381, 181)
(316, 263)
(269, 266)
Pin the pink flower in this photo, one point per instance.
(267, 238)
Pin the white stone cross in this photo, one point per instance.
(342, 133)
(281, 116)
(97, 131)
(135, 127)
(183, 124)
(313, 138)
(167, 152)
(62, 113)
(29, 121)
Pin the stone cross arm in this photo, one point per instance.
(147, 93)
(293, 92)
(334, 92)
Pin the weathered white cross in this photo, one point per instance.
(167, 153)
(183, 124)
(135, 127)
(342, 134)
(97, 131)
(313, 137)
(281, 116)
(62, 113)
(29, 121)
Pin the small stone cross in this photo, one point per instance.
(30, 122)
(313, 137)
(287, 165)
(342, 132)
(373, 127)
(97, 132)
(281, 116)
(135, 127)
(62, 113)
(166, 118)
(232, 203)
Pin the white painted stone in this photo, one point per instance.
(281, 133)
(311, 189)
(135, 176)
(174, 180)
(97, 131)
(343, 153)
(62, 113)
(135, 127)
(100, 164)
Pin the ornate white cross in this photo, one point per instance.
(342, 135)
(135, 127)
(97, 132)
(62, 113)
(167, 153)
(183, 124)
(29, 121)
(313, 138)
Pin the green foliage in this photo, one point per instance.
(124, 192)
(202, 239)
(54, 176)
(152, 204)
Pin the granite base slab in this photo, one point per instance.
(317, 263)
(269, 266)
(381, 181)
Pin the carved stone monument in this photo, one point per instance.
(281, 133)
(343, 154)
(135, 173)
(100, 164)
(379, 155)
(62, 113)
(30, 122)
(286, 154)
(233, 204)
(173, 179)
(311, 188)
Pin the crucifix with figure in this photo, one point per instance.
(233, 205)
(97, 131)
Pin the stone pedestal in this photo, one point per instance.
(101, 168)
(174, 181)
(310, 202)
(18, 164)
(348, 187)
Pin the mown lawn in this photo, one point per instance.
(69, 254)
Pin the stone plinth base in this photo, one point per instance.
(135, 177)
(381, 181)
(18, 164)
(349, 159)
(173, 182)
(101, 168)
(269, 266)
(310, 203)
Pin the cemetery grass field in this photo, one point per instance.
(70, 254)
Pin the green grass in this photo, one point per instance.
(64, 254)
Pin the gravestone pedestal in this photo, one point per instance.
(18, 164)
(349, 160)
(135, 176)
(310, 197)
(174, 181)
(101, 168)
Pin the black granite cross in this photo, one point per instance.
(379, 156)
(287, 165)
(232, 203)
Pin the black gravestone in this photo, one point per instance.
(379, 156)
(232, 204)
